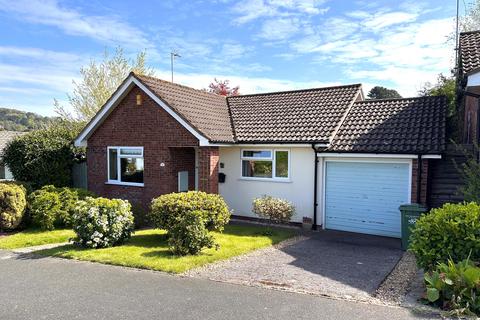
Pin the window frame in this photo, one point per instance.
(118, 181)
(272, 158)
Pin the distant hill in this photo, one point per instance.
(16, 120)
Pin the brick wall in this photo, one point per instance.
(423, 184)
(208, 169)
(164, 141)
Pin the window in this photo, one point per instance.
(125, 165)
(265, 164)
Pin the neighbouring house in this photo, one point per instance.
(468, 79)
(345, 162)
(5, 138)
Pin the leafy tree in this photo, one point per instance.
(222, 87)
(471, 20)
(99, 81)
(445, 86)
(45, 156)
(383, 93)
(470, 172)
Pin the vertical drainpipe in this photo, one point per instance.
(419, 178)
(315, 182)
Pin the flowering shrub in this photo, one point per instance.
(274, 209)
(100, 222)
(188, 216)
(12, 205)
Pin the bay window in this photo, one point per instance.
(266, 164)
(125, 165)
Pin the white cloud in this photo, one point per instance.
(110, 29)
(254, 9)
(382, 20)
(279, 29)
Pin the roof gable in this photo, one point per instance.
(311, 115)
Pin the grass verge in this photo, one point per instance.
(148, 249)
(35, 237)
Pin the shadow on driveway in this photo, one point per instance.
(333, 263)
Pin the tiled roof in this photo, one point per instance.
(293, 116)
(469, 51)
(206, 112)
(6, 137)
(413, 125)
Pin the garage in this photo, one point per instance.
(364, 196)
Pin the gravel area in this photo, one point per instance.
(338, 265)
(396, 285)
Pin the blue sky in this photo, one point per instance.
(261, 45)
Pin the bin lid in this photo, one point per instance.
(413, 207)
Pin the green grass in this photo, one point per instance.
(147, 249)
(35, 237)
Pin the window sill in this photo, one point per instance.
(266, 179)
(128, 184)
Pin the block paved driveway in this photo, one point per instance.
(332, 263)
(50, 288)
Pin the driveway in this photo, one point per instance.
(337, 264)
(51, 288)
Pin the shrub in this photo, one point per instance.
(168, 207)
(189, 234)
(452, 231)
(52, 207)
(43, 157)
(12, 205)
(455, 286)
(101, 222)
(274, 209)
(45, 207)
(188, 217)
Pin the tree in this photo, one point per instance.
(44, 156)
(99, 81)
(445, 86)
(222, 87)
(383, 93)
(471, 20)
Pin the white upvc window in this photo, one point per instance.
(125, 166)
(265, 164)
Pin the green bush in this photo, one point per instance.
(52, 207)
(169, 211)
(455, 287)
(273, 209)
(43, 157)
(452, 231)
(12, 205)
(101, 222)
(189, 235)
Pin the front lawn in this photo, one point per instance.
(35, 237)
(148, 249)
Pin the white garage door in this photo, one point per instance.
(364, 197)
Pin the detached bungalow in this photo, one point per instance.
(345, 162)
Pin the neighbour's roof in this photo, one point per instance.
(412, 125)
(469, 51)
(292, 116)
(206, 112)
(6, 137)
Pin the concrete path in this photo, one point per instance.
(50, 288)
(332, 263)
